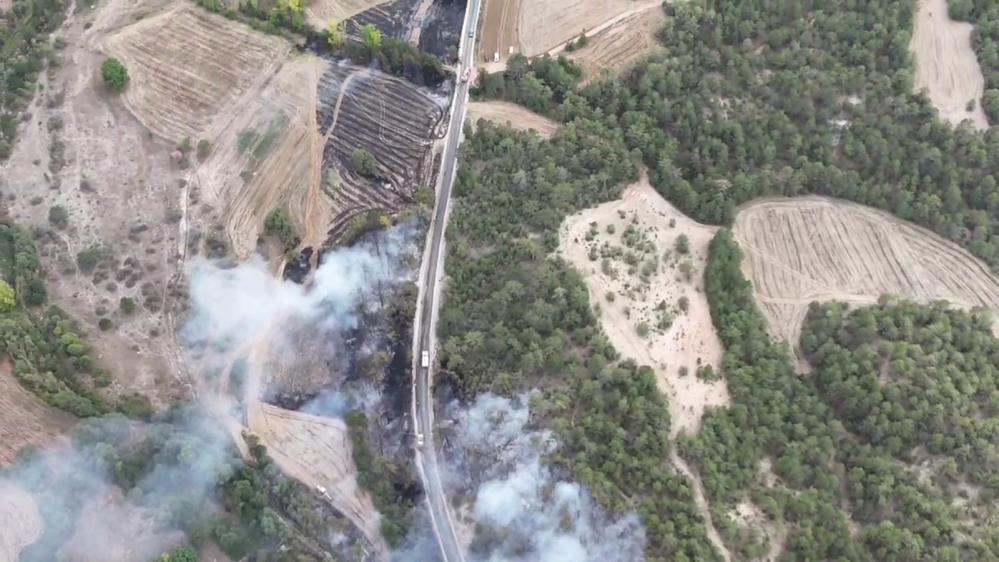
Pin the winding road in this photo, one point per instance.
(431, 272)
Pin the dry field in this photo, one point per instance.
(817, 249)
(24, 421)
(20, 522)
(946, 66)
(500, 29)
(620, 44)
(395, 121)
(511, 114)
(187, 66)
(318, 13)
(544, 26)
(690, 339)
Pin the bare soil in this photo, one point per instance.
(946, 65)
(187, 65)
(319, 13)
(24, 421)
(622, 43)
(690, 340)
(20, 522)
(512, 115)
(817, 249)
(545, 25)
(500, 29)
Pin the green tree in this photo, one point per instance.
(336, 34)
(115, 74)
(682, 244)
(58, 216)
(7, 299)
(371, 37)
(363, 162)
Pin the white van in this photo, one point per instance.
(425, 359)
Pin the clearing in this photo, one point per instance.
(633, 270)
(20, 522)
(513, 115)
(187, 65)
(24, 420)
(547, 25)
(620, 44)
(818, 249)
(946, 66)
(652, 305)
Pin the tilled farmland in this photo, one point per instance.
(817, 249)
(188, 65)
(390, 118)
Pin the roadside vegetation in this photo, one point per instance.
(24, 29)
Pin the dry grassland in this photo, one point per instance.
(24, 421)
(946, 66)
(500, 29)
(676, 339)
(267, 155)
(20, 522)
(513, 115)
(546, 25)
(614, 48)
(187, 65)
(817, 249)
(319, 13)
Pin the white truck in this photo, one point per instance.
(425, 359)
(419, 440)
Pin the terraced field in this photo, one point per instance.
(320, 12)
(392, 119)
(187, 65)
(817, 249)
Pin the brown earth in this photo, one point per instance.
(187, 66)
(25, 420)
(546, 25)
(319, 13)
(500, 29)
(946, 65)
(20, 522)
(513, 115)
(617, 46)
(817, 249)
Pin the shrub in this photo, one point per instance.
(363, 162)
(204, 150)
(127, 305)
(7, 299)
(682, 244)
(115, 74)
(105, 324)
(58, 216)
(88, 259)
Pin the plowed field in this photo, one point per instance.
(500, 28)
(390, 118)
(516, 116)
(186, 65)
(545, 25)
(620, 44)
(319, 13)
(816, 249)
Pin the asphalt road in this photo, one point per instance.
(423, 404)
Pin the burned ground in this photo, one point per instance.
(391, 119)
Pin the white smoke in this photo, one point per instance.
(528, 513)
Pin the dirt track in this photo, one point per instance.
(946, 66)
(545, 25)
(20, 522)
(817, 249)
(516, 116)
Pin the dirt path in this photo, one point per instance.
(946, 65)
(701, 502)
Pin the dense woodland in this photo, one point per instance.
(751, 98)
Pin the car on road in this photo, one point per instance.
(425, 359)
(419, 440)
(471, 33)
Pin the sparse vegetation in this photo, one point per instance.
(58, 216)
(363, 162)
(279, 225)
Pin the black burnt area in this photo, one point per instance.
(441, 33)
(392, 18)
(297, 270)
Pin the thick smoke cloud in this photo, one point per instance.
(523, 510)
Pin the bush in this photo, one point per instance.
(7, 299)
(58, 216)
(204, 150)
(115, 74)
(363, 162)
(127, 305)
(88, 259)
(682, 244)
(105, 324)
(279, 225)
